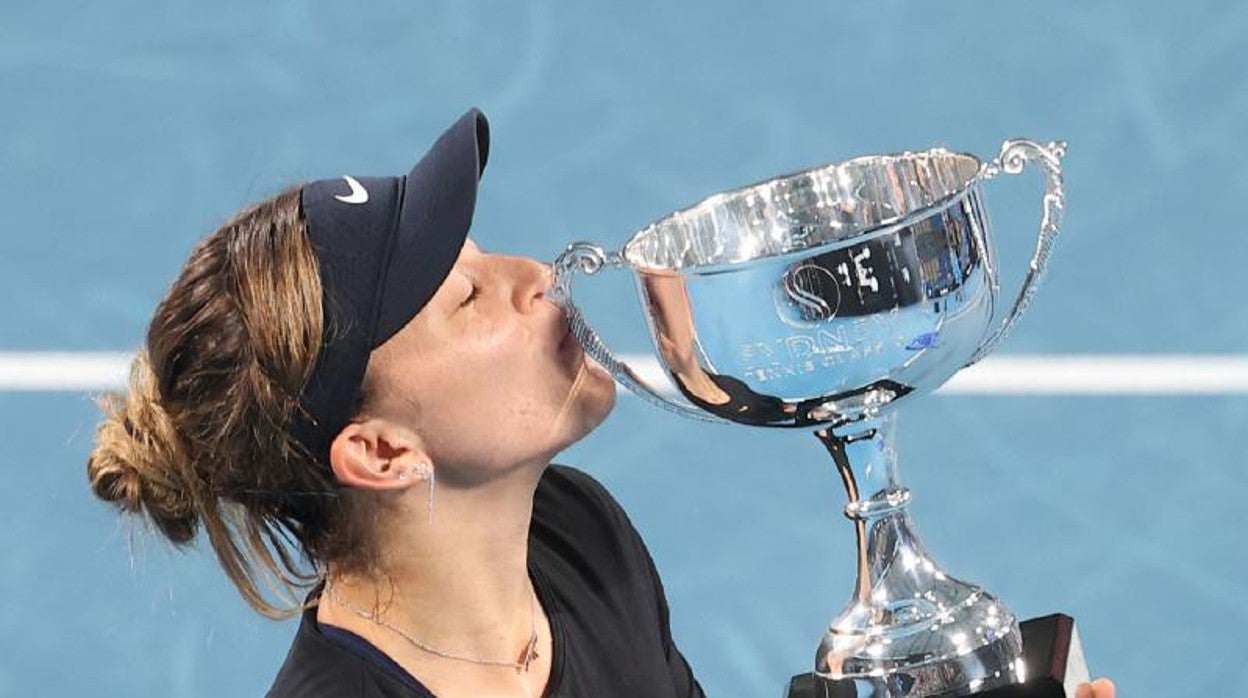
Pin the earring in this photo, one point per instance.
(425, 471)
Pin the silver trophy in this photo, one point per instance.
(823, 300)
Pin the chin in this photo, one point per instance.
(604, 405)
(600, 390)
(594, 402)
(595, 405)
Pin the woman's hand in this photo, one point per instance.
(1100, 688)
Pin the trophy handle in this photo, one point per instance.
(1016, 153)
(589, 259)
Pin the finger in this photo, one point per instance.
(1103, 688)
(1084, 691)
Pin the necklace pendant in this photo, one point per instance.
(529, 656)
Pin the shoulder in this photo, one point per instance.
(575, 516)
(315, 666)
(569, 481)
(566, 493)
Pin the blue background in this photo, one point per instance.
(128, 130)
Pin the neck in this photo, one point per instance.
(460, 583)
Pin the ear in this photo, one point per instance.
(372, 454)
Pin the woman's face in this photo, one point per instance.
(487, 374)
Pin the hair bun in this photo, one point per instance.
(138, 459)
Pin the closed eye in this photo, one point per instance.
(472, 296)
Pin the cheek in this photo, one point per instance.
(536, 395)
(504, 375)
(523, 392)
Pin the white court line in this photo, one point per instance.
(63, 370)
(1211, 374)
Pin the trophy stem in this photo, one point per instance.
(909, 629)
(872, 451)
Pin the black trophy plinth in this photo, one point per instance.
(1051, 652)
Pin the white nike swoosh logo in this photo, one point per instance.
(358, 195)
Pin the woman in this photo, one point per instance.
(345, 392)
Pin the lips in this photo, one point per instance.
(566, 345)
(568, 340)
(568, 348)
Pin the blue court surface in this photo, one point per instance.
(130, 129)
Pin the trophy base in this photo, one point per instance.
(1052, 655)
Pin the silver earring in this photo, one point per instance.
(425, 471)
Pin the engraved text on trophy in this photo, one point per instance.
(848, 305)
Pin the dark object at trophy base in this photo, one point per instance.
(1052, 654)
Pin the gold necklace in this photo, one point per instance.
(530, 648)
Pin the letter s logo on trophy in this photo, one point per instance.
(822, 300)
(809, 296)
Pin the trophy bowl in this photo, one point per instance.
(823, 299)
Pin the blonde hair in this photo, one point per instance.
(200, 438)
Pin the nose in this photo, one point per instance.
(532, 281)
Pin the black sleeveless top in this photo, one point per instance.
(597, 583)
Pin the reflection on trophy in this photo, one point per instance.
(823, 300)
